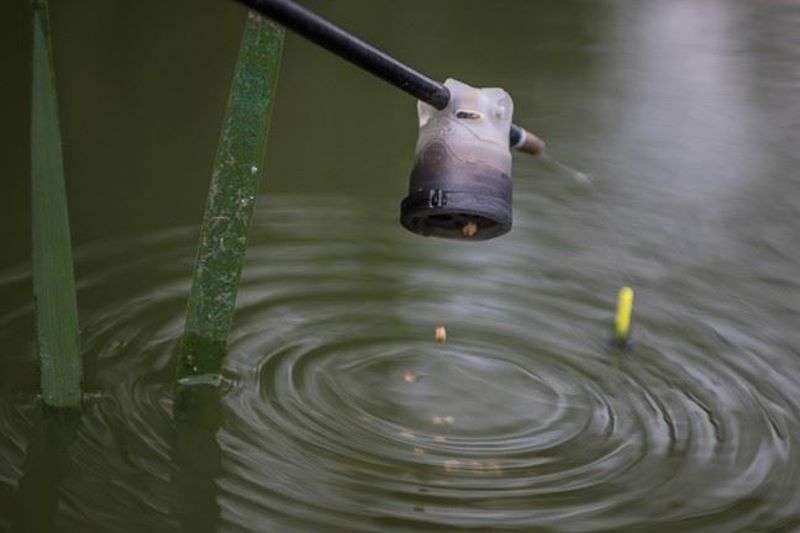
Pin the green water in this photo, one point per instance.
(339, 411)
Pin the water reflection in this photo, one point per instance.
(46, 465)
(196, 456)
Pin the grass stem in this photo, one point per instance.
(57, 334)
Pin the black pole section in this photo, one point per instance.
(352, 49)
(516, 136)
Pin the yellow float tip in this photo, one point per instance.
(622, 321)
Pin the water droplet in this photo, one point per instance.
(202, 379)
(451, 465)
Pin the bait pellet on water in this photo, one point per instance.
(441, 334)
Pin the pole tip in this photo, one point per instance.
(531, 144)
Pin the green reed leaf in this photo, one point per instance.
(229, 208)
(57, 334)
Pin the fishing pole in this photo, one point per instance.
(365, 56)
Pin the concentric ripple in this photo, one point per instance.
(340, 411)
